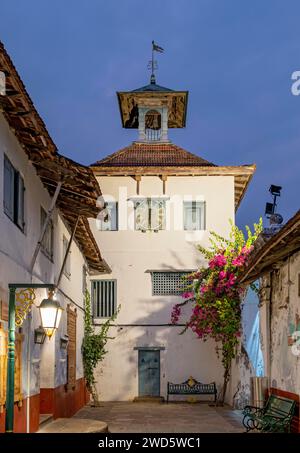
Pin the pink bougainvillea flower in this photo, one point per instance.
(204, 289)
(175, 315)
(222, 275)
(188, 295)
(239, 261)
(246, 250)
(231, 280)
(217, 261)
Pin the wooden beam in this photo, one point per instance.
(164, 180)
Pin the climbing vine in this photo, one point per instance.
(216, 294)
(93, 347)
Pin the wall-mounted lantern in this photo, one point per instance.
(39, 335)
(64, 341)
(51, 312)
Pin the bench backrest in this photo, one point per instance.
(277, 406)
(191, 387)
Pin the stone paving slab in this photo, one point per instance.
(74, 425)
(128, 417)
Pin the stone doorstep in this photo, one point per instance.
(148, 399)
(74, 425)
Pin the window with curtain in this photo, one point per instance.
(13, 194)
(194, 215)
(150, 214)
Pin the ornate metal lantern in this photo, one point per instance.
(51, 312)
(39, 335)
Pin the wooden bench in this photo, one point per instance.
(275, 416)
(192, 387)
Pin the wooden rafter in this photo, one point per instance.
(80, 189)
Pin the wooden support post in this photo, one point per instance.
(67, 252)
(164, 180)
(48, 218)
(10, 386)
(138, 179)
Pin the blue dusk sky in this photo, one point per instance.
(235, 57)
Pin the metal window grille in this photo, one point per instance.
(168, 283)
(104, 293)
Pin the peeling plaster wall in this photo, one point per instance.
(280, 315)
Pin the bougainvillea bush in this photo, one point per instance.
(216, 294)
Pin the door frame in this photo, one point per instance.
(149, 348)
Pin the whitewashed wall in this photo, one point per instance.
(280, 313)
(47, 362)
(130, 254)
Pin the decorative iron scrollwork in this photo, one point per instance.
(24, 300)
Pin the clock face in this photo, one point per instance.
(150, 214)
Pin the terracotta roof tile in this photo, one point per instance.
(150, 154)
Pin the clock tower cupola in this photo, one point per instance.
(153, 109)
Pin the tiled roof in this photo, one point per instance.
(80, 188)
(277, 249)
(152, 87)
(152, 155)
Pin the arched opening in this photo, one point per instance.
(153, 125)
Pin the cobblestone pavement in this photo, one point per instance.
(128, 417)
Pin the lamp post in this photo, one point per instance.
(50, 311)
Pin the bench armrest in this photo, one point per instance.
(252, 410)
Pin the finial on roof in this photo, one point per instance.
(153, 63)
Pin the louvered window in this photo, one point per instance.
(168, 283)
(104, 293)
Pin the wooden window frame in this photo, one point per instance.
(16, 212)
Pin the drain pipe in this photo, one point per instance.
(29, 317)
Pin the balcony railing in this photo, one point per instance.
(153, 135)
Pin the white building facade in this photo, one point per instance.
(49, 376)
(161, 202)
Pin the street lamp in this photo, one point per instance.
(50, 311)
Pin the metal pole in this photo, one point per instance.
(67, 252)
(10, 392)
(49, 215)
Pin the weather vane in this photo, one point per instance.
(153, 63)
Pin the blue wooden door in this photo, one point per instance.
(149, 373)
